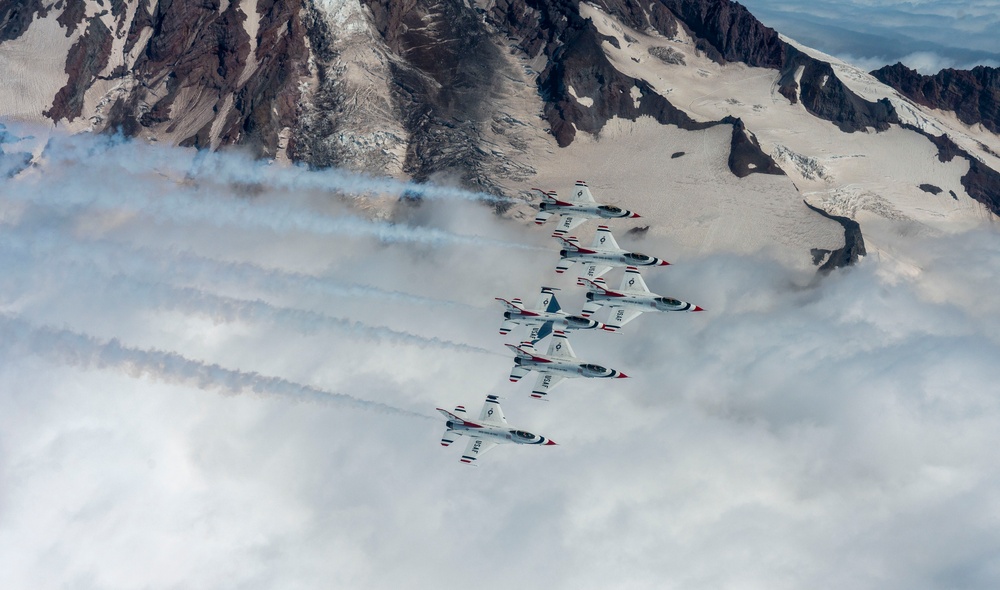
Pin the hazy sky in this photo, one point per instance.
(924, 34)
(215, 374)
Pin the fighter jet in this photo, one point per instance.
(489, 431)
(629, 301)
(546, 315)
(578, 209)
(602, 256)
(558, 364)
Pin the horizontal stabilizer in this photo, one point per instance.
(449, 437)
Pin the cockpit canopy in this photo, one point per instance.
(637, 256)
(610, 209)
(524, 435)
(595, 368)
(669, 301)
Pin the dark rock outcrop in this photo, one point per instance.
(930, 188)
(72, 15)
(745, 155)
(202, 54)
(974, 95)
(981, 182)
(16, 16)
(87, 57)
(444, 97)
(854, 244)
(825, 96)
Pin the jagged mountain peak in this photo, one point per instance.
(502, 94)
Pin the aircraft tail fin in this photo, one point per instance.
(597, 285)
(569, 242)
(514, 305)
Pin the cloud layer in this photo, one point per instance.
(924, 35)
(801, 433)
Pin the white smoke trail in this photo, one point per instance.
(123, 180)
(241, 169)
(185, 207)
(21, 278)
(18, 336)
(185, 267)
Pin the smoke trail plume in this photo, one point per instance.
(18, 336)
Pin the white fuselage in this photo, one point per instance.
(496, 434)
(560, 320)
(641, 302)
(610, 258)
(565, 367)
(589, 211)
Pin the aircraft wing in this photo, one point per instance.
(581, 193)
(560, 347)
(476, 448)
(621, 316)
(542, 217)
(546, 382)
(491, 412)
(517, 372)
(507, 326)
(568, 222)
(563, 266)
(632, 281)
(604, 240)
(594, 271)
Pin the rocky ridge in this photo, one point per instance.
(974, 95)
(446, 90)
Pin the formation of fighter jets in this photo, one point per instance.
(547, 319)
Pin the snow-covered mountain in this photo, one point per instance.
(713, 125)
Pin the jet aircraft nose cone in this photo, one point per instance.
(696, 308)
(621, 376)
(636, 216)
(663, 263)
(550, 442)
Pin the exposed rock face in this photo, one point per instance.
(87, 58)
(187, 70)
(824, 95)
(727, 32)
(854, 244)
(745, 155)
(981, 182)
(973, 94)
(16, 16)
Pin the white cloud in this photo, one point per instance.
(923, 35)
(800, 433)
